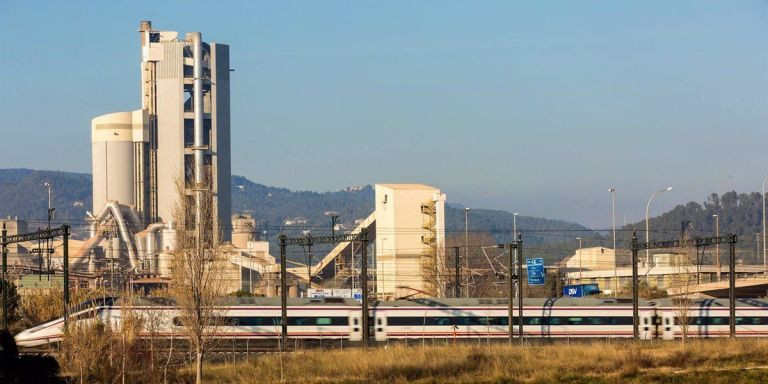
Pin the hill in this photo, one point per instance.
(23, 194)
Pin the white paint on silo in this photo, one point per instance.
(113, 159)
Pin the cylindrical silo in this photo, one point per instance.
(113, 159)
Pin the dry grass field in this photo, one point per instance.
(707, 361)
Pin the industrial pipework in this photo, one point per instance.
(199, 146)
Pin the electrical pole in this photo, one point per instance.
(458, 273)
(615, 251)
(519, 249)
(466, 243)
(283, 296)
(732, 287)
(66, 273)
(364, 276)
(510, 291)
(5, 277)
(717, 247)
(765, 253)
(635, 309)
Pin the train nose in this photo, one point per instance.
(34, 337)
(23, 339)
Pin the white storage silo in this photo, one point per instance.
(112, 139)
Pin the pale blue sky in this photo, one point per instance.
(534, 107)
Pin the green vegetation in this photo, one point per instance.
(707, 361)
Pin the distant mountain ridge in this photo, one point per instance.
(23, 194)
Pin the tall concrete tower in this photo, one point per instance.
(185, 89)
(181, 132)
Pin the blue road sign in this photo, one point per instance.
(573, 291)
(536, 275)
(581, 290)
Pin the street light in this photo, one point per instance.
(50, 210)
(647, 227)
(765, 259)
(717, 247)
(466, 244)
(612, 190)
(579, 253)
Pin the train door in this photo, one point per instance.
(668, 326)
(646, 326)
(355, 326)
(380, 328)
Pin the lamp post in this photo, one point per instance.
(647, 227)
(579, 254)
(765, 259)
(612, 190)
(717, 247)
(466, 245)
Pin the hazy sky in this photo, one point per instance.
(534, 107)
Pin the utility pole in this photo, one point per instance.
(283, 295)
(612, 190)
(510, 290)
(515, 251)
(732, 288)
(364, 277)
(717, 247)
(5, 277)
(334, 219)
(466, 243)
(765, 253)
(519, 249)
(635, 309)
(580, 281)
(457, 270)
(66, 272)
(514, 235)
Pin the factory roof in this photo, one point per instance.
(407, 186)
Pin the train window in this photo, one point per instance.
(574, 320)
(323, 321)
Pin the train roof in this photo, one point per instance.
(716, 303)
(433, 302)
(240, 301)
(535, 302)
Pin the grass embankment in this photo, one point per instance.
(708, 361)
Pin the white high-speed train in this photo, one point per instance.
(331, 318)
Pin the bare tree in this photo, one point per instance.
(197, 266)
(485, 276)
(684, 282)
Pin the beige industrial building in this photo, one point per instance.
(410, 240)
(592, 258)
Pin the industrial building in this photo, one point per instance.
(176, 144)
(410, 242)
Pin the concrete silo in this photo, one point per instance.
(115, 139)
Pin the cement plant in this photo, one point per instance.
(163, 280)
